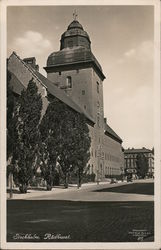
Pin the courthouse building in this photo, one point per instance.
(75, 77)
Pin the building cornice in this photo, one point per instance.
(75, 65)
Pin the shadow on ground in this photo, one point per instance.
(78, 221)
(134, 188)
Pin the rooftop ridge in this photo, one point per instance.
(29, 68)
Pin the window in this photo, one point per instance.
(84, 106)
(60, 73)
(97, 87)
(69, 82)
(83, 92)
(30, 62)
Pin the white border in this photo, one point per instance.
(157, 123)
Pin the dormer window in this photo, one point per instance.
(69, 82)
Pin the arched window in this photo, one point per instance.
(69, 82)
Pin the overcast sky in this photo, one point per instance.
(122, 41)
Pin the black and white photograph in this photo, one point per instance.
(80, 133)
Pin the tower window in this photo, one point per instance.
(69, 82)
(97, 87)
(83, 92)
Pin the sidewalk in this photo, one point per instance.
(86, 187)
(31, 193)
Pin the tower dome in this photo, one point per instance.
(75, 36)
(75, 24)
(75, 49)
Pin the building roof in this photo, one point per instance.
(58, 93)
(137, 150)
(75, 25)
(15, 84)
(76, 55)
(111, 133)
(75, 29)
(75, 49)
(51, 88)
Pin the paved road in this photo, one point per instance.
(88, 192)
(103, 213)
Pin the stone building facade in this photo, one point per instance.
(131, 158)
(75, 77)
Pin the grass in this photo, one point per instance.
(81, 221)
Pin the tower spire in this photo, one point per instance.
(75, 15)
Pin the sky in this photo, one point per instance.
(122, 40)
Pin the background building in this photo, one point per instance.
(131, 159)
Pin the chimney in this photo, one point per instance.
(31, 61)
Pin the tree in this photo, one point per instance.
(27, 118)
(82, 142)
(50, 129)
(141, 165)
(66, 136)
(11, 102)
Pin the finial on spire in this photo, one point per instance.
(75, 15)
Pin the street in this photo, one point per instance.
(95, 213)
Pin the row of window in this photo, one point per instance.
(132, 162)
(105, 156)
(110, 157)
(107, 169)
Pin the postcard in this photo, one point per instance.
(80, 124)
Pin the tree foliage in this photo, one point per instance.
(11, 102)
(142, 165)
(65, 135)
(26, 120)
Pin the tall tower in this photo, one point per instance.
(75, 70)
